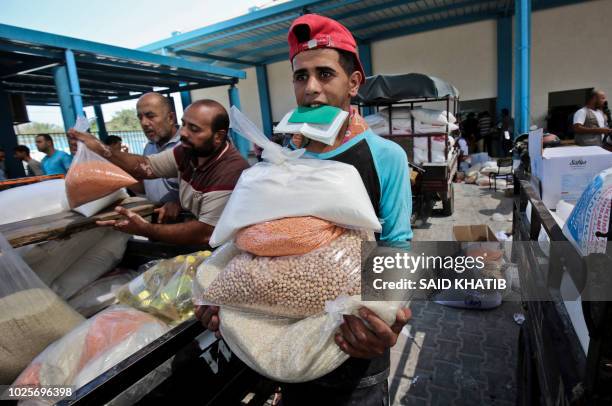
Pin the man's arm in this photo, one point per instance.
(136, 165)
(190, 233)
(581, 129)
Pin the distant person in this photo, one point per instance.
(116, 143)
(55, 162)
(33, 167)
(505, 132)
(469, 128)
(590, 122)
(484, 131)
(2, 164)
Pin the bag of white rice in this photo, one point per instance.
(31, 315)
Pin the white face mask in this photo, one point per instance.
(325, 133)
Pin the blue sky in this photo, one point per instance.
(127, 23)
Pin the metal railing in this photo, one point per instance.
(135, 140)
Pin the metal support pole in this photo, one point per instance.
(522, 66)
(185, 99)
(8, 140)
(100, 121)
(62, 86)
(504, 64)
(75, 88)
(264, 99)
(365, 56)
(242, 144)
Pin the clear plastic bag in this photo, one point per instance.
(286, 349)
(288, 236)
(92, 177)
(337, 189)
(165, 289)
(100, 294)
(31, 315)
(291, 286)
(92, 348)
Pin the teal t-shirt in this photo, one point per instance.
(56, 164)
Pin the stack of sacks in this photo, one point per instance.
(92, 348)
(290, 264)
(438, 146)
(400, 119)
(68, 266)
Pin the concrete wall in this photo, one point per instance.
(465, 56)
(249, 96)
(570, 50)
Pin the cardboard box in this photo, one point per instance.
(565, 172)
(473, 233)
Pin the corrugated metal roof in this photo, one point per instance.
(260, 37)
(106, 73)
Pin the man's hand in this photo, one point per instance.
(168, 212)
(359, 341)
(131, 224)
(209, 317)
(89, 140)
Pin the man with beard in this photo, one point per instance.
(205, 162)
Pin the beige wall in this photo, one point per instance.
(465, 56)
(571, 49)
(280, 83)
(249, 96)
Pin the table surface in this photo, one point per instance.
(62, 225)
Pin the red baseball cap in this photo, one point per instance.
(321, 32)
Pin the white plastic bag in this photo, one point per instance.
(285, 349)
(336, 188)
(93, 208)
(431, 116)
(32, 201)
(591, 215)
(99, 259)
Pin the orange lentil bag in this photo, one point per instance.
(91, 177)
(287, 236)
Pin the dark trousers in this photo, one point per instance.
(311, 394)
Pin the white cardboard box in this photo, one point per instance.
(565, 172)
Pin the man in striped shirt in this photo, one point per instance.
(205, 162)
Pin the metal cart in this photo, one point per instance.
(433, 180)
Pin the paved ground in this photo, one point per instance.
(456, 356)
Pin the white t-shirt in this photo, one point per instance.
(580, 116)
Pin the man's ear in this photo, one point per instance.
(220, 136)
(354, 83)
(172, 116)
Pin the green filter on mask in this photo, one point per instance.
(315, 115)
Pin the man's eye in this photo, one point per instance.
(325, 75)
(193, 128)
(299, 78)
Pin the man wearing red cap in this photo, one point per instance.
(327, 71)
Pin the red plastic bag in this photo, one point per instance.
(92, 177)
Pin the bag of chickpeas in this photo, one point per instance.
(284, 349)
